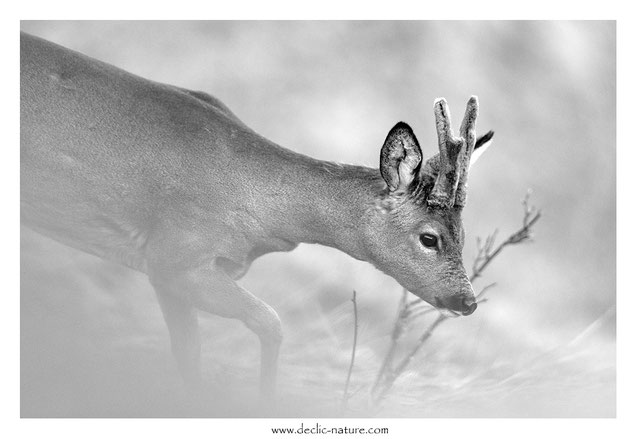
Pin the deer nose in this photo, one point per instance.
(470, 306)
(465, 305)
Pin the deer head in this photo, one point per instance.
(418, 232)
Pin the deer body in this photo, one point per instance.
(170, 183)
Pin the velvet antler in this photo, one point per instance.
(452, 162)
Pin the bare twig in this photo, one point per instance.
(409, 310)
(485, 252)
(390, 378)
(421, 312)
(398, 329)
(484, 290)
(351, 362)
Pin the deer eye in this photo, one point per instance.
(429, 240)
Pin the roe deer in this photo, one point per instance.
(171, 183)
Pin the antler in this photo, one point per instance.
(455, 154)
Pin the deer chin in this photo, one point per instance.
(436, 303)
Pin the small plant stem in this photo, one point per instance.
(398, 327)
(353, 357)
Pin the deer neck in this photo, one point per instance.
(331, 206)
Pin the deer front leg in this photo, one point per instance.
(181, 319)
(210, 289)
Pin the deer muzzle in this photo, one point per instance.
(460, 303)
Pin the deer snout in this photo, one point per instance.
(470, 306)
(460, 303)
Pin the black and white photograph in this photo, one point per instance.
(318, 219)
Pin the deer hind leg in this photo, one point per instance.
(210, 289)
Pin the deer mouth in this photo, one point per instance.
(456, 306)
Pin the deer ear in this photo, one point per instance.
(400, 157)
(481, 146)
